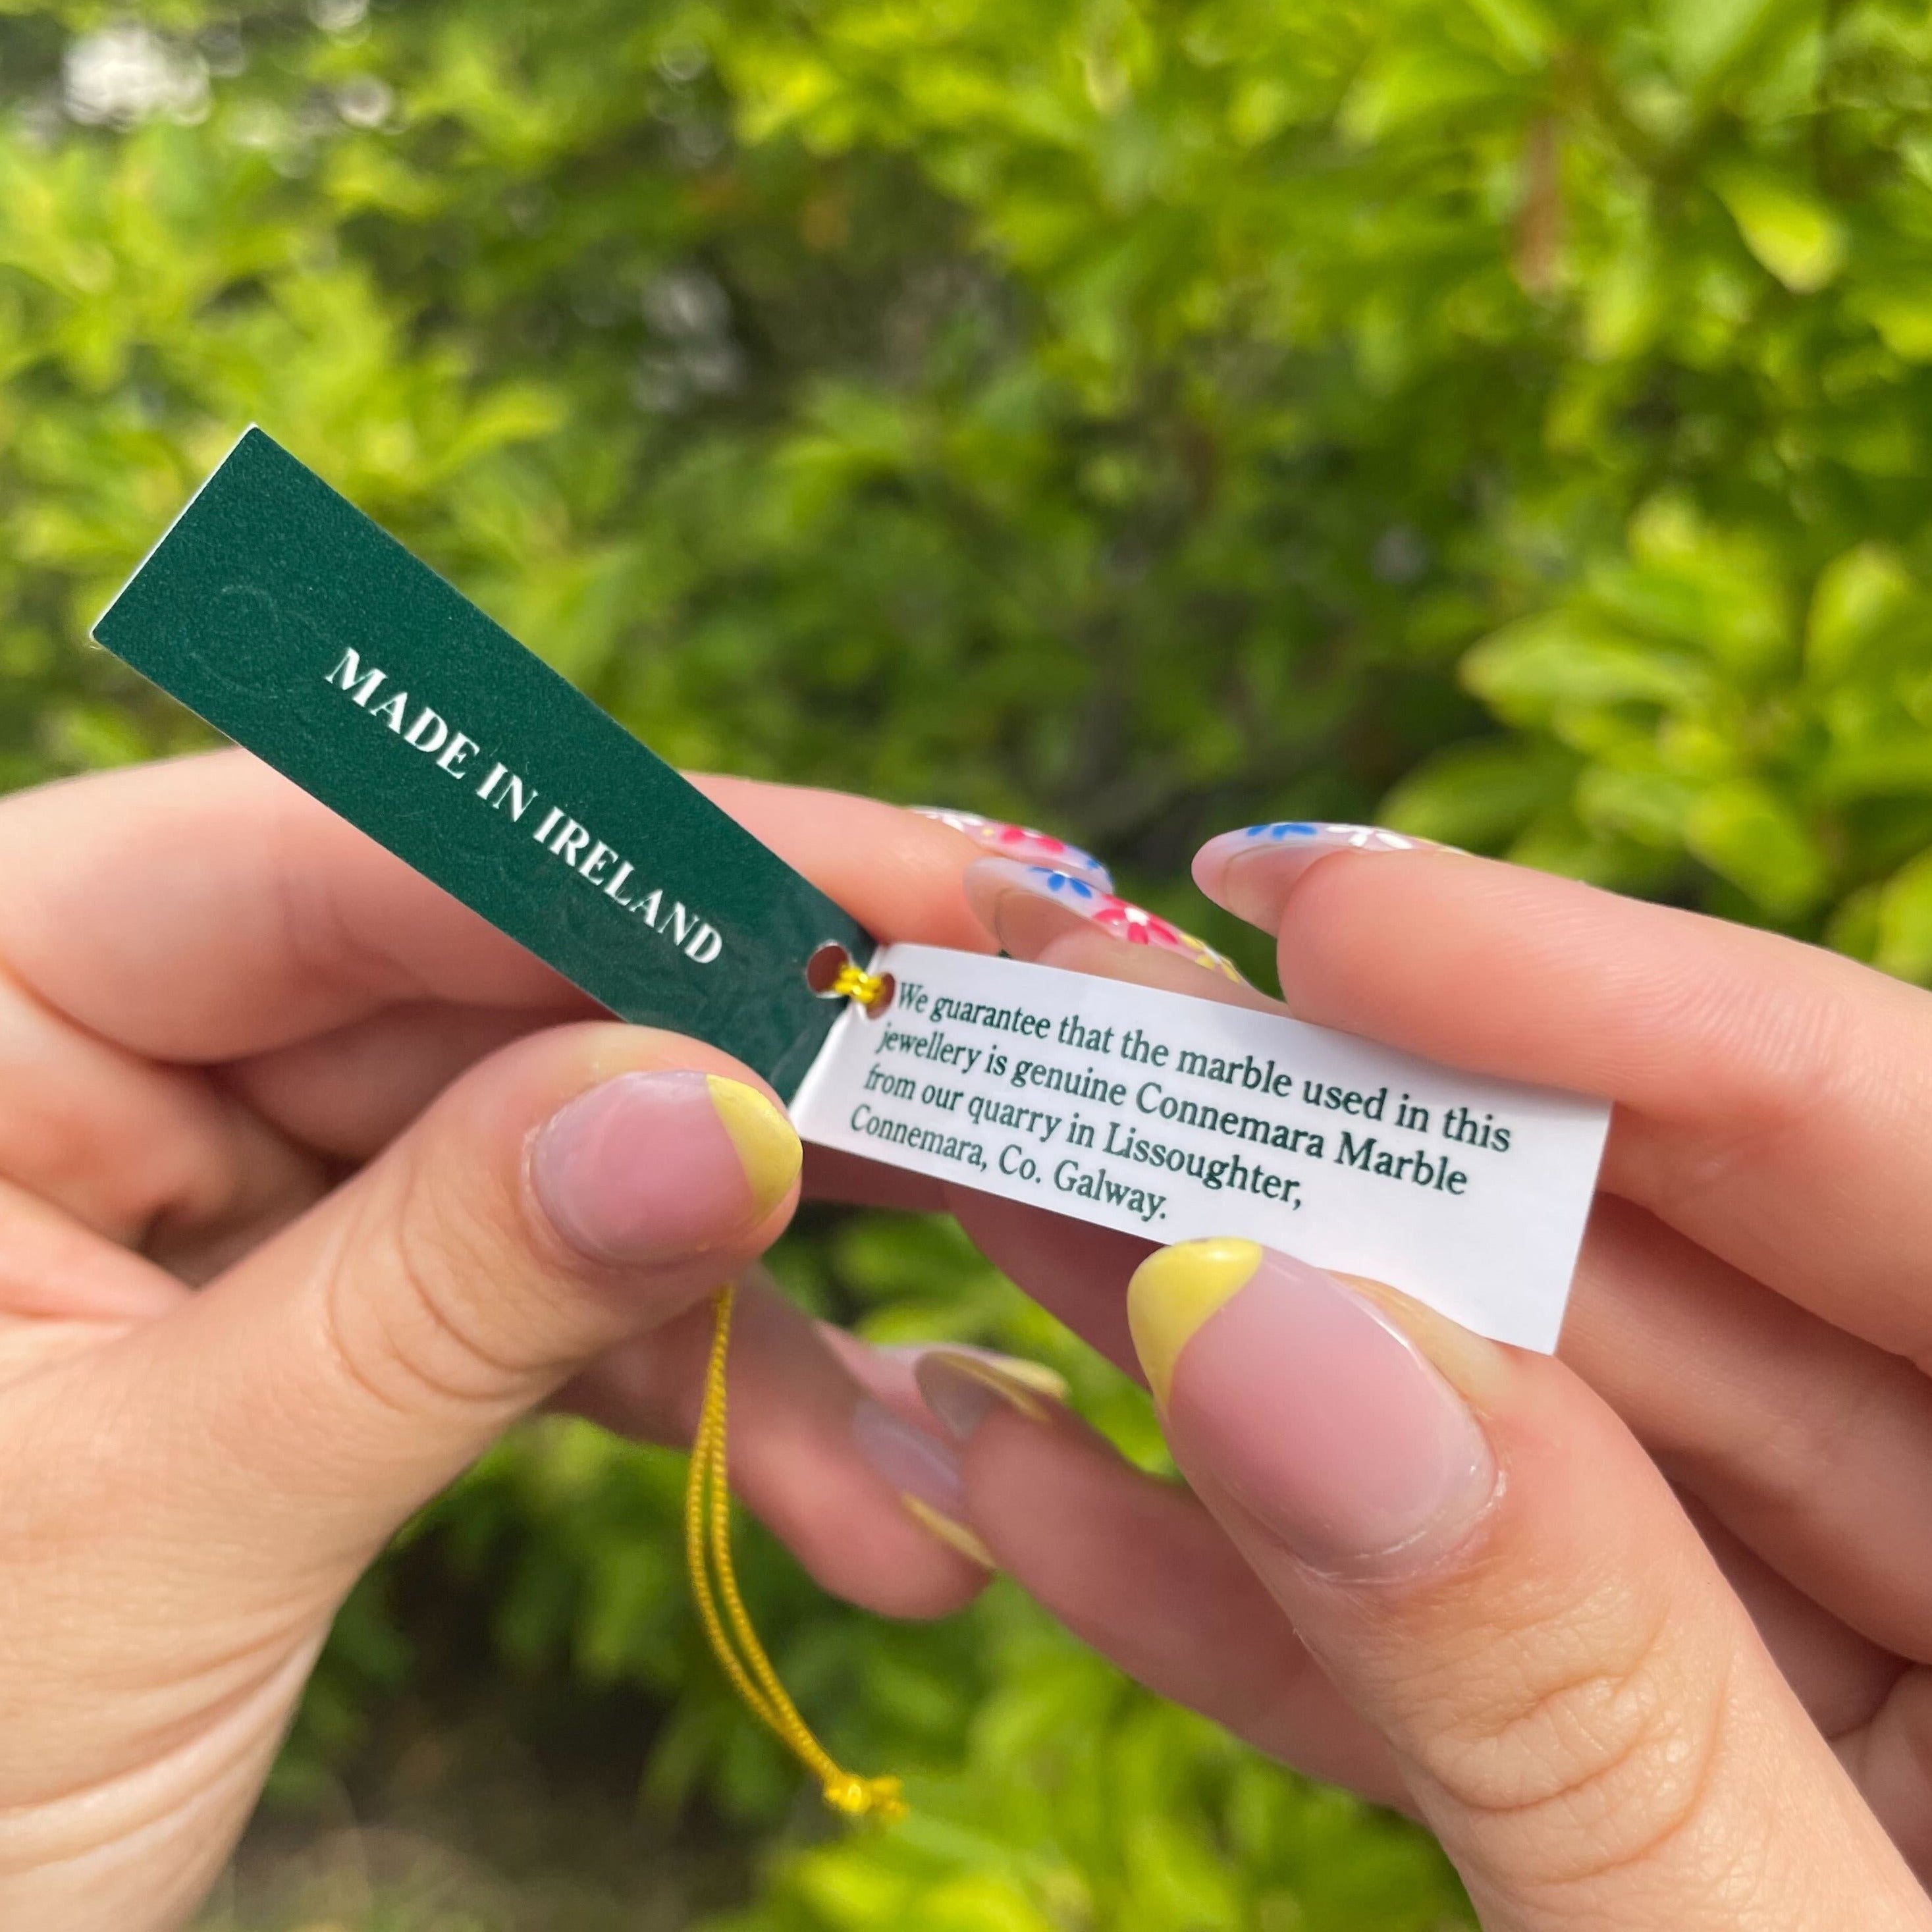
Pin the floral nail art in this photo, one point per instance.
(1021, 842)
(1121, 917)
(1302, 831)
(1293, 844)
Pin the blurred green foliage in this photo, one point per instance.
(1510, 417)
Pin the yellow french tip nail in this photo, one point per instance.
(769, 1148)
(1031, 1388)
(1173, 1292)
(954, 1535)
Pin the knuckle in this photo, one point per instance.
(1809, 1440)
(418, 1308)
(1592, 1741)
(1765, 1071)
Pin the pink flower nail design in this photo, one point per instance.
(1023, 843)
(1121, 917)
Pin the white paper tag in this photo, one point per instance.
(1175, 1117)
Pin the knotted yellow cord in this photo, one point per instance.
(854, 983)
(707, 1535)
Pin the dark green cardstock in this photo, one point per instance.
(278, 611)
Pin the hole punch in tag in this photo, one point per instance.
(833, 974)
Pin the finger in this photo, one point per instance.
(1789, 1426)
(1081, 1274)
(1061, 918)
(263, 1441)
(897, 872)
(1841, 1679)
(1075, 1270)
(1773, 1100)
(1889, 1756)
(346, 1093)
(1807, 1442)
(1078, 1271)
(1139, 1570)
(1814, 1447)
(54, 1271)
(794, 1459)
(832, 1175)
(266, 919)
(1487, 1564)
(157, 1158)
(1811, 1444)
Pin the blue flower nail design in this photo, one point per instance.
(1063, 883)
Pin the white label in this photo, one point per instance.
(1176, 1118)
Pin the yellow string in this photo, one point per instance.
(854, 982)
(707, 1535)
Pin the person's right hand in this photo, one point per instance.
(1644, 1632)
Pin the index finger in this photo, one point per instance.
(1773, 1099)
(206, 908)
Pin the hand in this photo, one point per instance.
(1642, 1633)
(424, 1188)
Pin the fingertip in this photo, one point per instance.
(767, 1145)
(1034, 909)
(1309, 1405)
(663, 1165)
(1175, 1291)
(922, 1471)
(1003, 838)
(1250, 872)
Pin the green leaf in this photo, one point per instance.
(1650, 807)
(1793, 233)
(1703, 38)
(1624, 305)
(1746, 834)
(1903, 316)
(1532, 670)
(1523, 29)
(1416, 84)
(1859, 593)
(1478, 795)
(1904, 935)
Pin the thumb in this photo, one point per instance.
(574, 1190)
(1497, 1577)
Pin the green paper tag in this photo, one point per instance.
(281, 613)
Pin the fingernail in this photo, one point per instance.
(988, 880)
(1318, 1415)
(1022, 842)
(922, 1471)
(962, 1387)
(1222, 869)
(653, 1167)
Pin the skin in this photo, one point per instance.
(272, 1271)
(1671, 1672)
(1674, 1672)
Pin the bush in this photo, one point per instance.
(1510, 416)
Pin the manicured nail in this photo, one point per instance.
(652, 1167)
(962, 1387)
(1312, 1408)
(922, 1471)
(1022, 842)
(988, 881)
(1232, 872)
